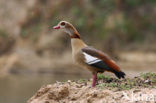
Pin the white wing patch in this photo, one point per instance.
(90, 59)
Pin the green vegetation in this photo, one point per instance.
(33, 31)
(83, 80)
(102, 76)
(119, 22)
(147, 80)
(121, 18)
(149, 76)
(3, 34)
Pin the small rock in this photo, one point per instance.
(137, 90)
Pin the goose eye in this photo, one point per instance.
(63, 23)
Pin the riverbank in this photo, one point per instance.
(108, 90)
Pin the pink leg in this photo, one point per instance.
(94, 79)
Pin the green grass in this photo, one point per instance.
(102, 76)
(82, 80)
(146, 80)
(3, 34)
(149, 76)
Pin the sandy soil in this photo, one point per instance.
(76, 92)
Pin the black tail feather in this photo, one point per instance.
(120, 74)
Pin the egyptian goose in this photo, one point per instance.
(88, 57)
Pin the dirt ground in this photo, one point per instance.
(141, 91)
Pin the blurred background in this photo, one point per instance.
(32, 54)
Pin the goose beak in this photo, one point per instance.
(56, 27)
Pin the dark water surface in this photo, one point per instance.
(19, 88)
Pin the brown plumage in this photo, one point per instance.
(88, 57)
(96, 53)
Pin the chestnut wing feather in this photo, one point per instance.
(101, 60)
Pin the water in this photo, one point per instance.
(19, 88)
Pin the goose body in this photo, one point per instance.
(87, 57)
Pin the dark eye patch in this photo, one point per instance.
(63, 23)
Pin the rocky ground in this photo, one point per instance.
(140, 89)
